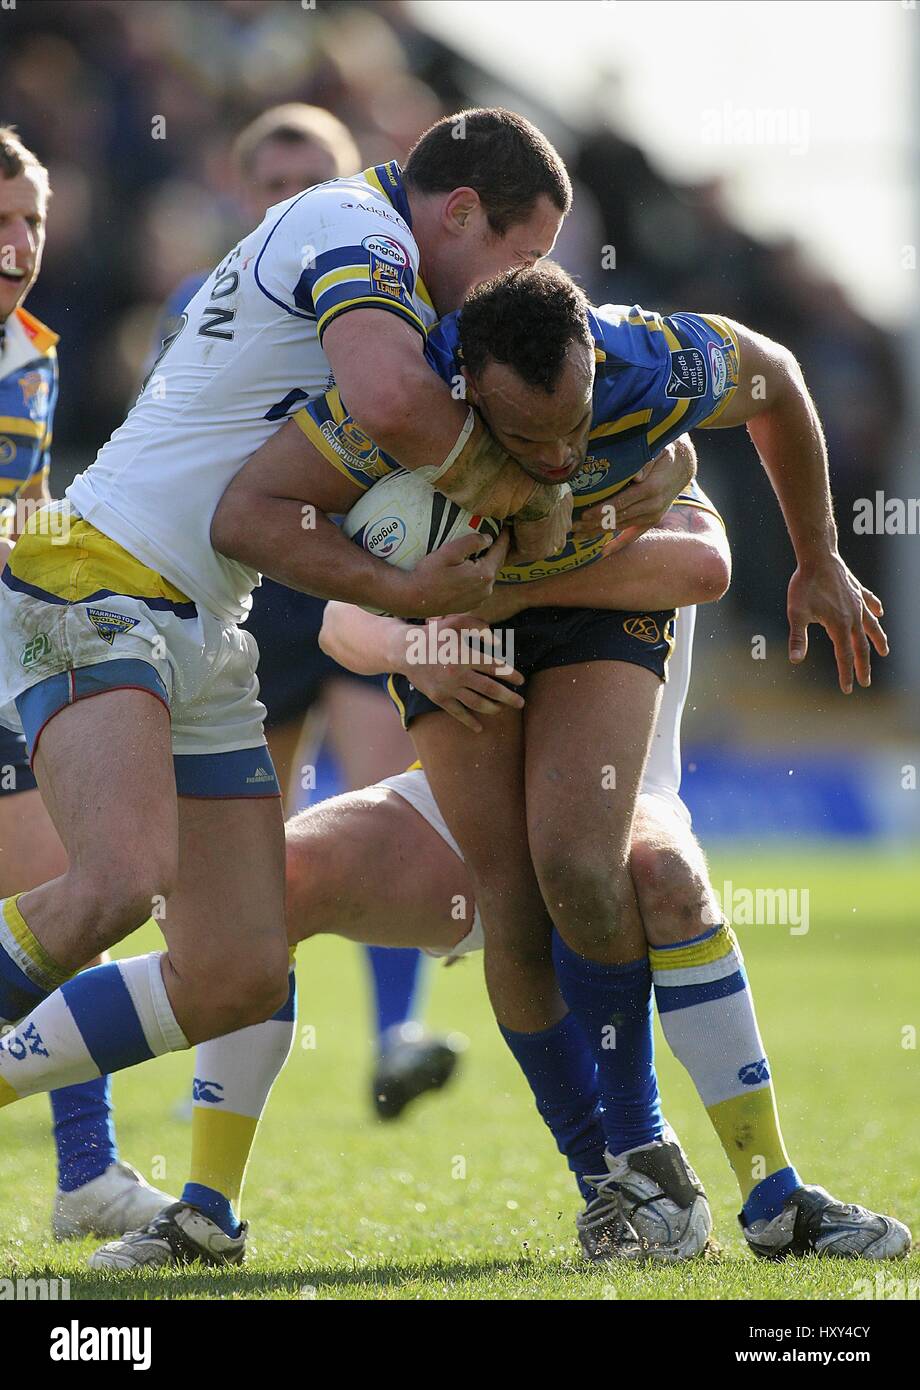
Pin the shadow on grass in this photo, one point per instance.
(307, 1281)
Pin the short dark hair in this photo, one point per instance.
(498, 153)
(15, 158)
(525, 318)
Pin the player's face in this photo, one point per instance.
(280, 170)
(546, 434)
(22, 237)
(474, 252)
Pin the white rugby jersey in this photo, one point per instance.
(247, 353)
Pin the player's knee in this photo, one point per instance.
(590, 901)
(667, 888)
(314, 874)
(715, 574)
(249, 996)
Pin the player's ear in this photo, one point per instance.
(460, 210)
(471, 395)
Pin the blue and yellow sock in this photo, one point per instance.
(707, 1016)
(395, 973)
(233, 1078)
(563, 1078)
(84, 1134)
(613, 1005)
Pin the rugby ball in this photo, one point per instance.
(401, 519)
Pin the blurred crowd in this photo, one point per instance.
(133, 105)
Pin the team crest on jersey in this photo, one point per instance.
(351, 444)
(34, 390)
(7, 450)
(643, 628)
(688, 375)
(110, 625)
(590, 475)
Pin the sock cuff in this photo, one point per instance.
(587, 969)
(712, 948)
(25, 950)
(174, 1040)
(544, 1037)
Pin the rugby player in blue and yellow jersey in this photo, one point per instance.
(127, 636)
(96, 1192)
(592, 403)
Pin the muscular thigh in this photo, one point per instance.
(587, 735)
(369, 867)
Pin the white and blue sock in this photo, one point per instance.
(101, 1021)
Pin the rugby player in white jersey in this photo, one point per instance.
(97, 1193)
(121, 657)
(699, 370)
(337, 854)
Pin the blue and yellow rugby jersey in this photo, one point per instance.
(655, 378)
(28, 394)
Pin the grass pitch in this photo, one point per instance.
(466, 1197)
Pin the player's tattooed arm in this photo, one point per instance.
(773, 401)
(274, 517)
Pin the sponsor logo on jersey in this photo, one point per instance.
(37, 647)
(718, 371)
(755, 1073)
(688, 375)
(385, 248)
(385, 537)
(352, 444)
(383, 212)
(643, 628)
(386, 279)
(110, 625)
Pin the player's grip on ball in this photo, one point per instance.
(458, 575)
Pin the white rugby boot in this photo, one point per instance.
(118, 1200)
(814, 1223)
(604, 1234)
(661, 1197)
(180, 1235)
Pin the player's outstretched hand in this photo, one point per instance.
(642, 503)
(456, 577)
(849, 613)
(465, 673)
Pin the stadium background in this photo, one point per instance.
(790, 783)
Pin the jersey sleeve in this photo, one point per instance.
(327, 254)
(696, 376)
(342, 442)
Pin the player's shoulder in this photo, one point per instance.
(628, 335)
(41, 339)
(352, 211)
(442, 347)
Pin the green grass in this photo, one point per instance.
(466, 1198)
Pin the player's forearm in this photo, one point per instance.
(686, 561)
(362, 642)
(300, 547)
(790, 442)
(773, 401)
